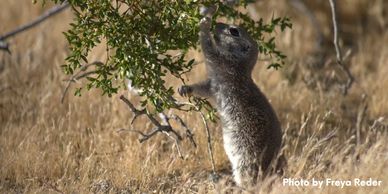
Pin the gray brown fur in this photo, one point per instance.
(251, 130)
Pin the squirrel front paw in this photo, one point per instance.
(208, 11)
(185, 91)
(205, 23)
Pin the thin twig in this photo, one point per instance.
(209, 144)
(335, 28)
(166, 121)
(176, 141)
(41, 18)
(74, 79)
(133, 109)
(189, 134)
(164, 128)
(77, 76)
(144, 137)
(338, 50)
(4, 46)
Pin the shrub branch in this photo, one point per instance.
(51, 12)
(79, 76)
(164, 128)
(350, 80)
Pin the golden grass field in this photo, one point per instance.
(75, 147)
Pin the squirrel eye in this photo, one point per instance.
(234, 32)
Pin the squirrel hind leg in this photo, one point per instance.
(246, 175)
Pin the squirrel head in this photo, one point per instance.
(236, 47)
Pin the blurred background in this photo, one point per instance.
(74, 147)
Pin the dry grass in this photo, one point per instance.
(49, 147)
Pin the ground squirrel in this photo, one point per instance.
(251, 130)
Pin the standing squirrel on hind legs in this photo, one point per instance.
(251, 130)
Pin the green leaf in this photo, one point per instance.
(143, 39)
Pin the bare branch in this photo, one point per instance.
(4, 46)
(335, 28)
(176, 141)
(350, 80)
(74, 79)
(133, 109)
(164, 128)
(166, 122)
(78, 76)
(338, 50)
(189, 134)
(41, 18)
(209, 144)
(147, 136)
